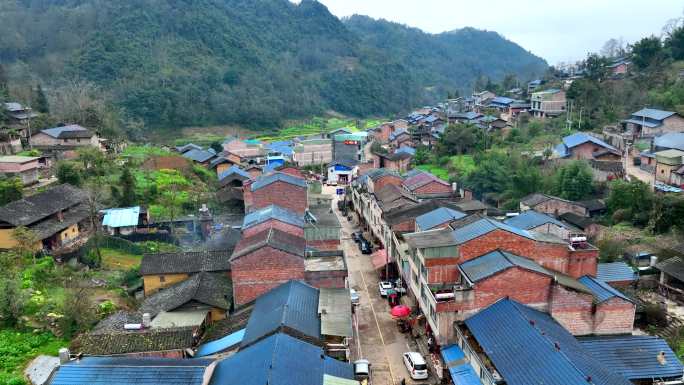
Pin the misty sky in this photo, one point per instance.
(566, 34)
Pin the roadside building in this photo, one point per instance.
(342, 171)
(162, 270)
(548, 103)
(322, 229)
(26, 168)
(379, 178)
(312, 152)
(425, 185)
(437, 218)
(349, 147)
(398, 161)
(650, 122)
(59, 217)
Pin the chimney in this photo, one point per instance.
(146, 320)
(64, 355)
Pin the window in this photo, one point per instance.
(162, 279)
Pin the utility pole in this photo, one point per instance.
(579, 124)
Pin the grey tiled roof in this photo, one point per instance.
(185, 262)
(36, 207)
(274, 238)
(212, 289)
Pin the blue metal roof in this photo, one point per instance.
(55, 132)
(497, 261)
(652, 113)
(266, 180)
(234, 170)
(529, 347)
(576, 139)
(635, 357)
(483, 226)
(437, 217)
(221, 344)
(284, 146)
(396, 134)
(461, 371)
(672, 140)
(406, 149)
(279, 360)
(272, 212)
(121, 217)
(199, 155)
(293, 304)
(531, 219)
(126, 371)
(502, 100)
(601, 290)
(615, 272)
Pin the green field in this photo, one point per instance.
(318, 126)
(119, 260)
(460, 164)
(17, 348)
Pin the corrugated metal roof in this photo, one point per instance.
(279, 360)
(293, 304)
(576, 139)
(635, 357)
(332, 380)
(615, 272)
(126, 371)
(672, 266)
(529, 347)
(601, 290)
(502, 100)
(671, 140)
(652, 113)
(483, 226)
(57, 132)
(334, 307)
(272, 212)
(531, 219)
(222, 344)
(639, 122)
(121, 217)
(496, 261)
(234, 170)
(459, 368)
(266, 180)
(437, 217)
(200, 156)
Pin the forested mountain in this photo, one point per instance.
(256, 62)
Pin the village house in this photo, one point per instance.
(201, 156)
(542, 223)
(341, 172)
(500, 103)
(619, 275)
(221, 163)
(382, 132)
(498, 341)
(265, 260)
(162, 270)
(650, 122)
(668, 162)
(72, 136)
(483, 98)
(470, 117)
(26, 168)
(312, 152)
(244, 151)
(677, 177)
(376, 179)
(586, 225)
(587, 147)
(424, 185)
(398, 161)
(555, 206)
(59, 217)
(125, 220)
(231, 184)
(438, 218)
(400, 138)
(18, 113)
(548, 103)
(619, 66)
(187, 147)
(534, 85)
(322, 229)
(278, 189)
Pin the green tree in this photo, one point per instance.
(422, 155)
(40, 102)
(647, 52)
(492, 174)
(94, 161)
(668, 213)
(26, 242)
(67, 172)
(674, 43)
(573, 181)
(11, 190)
(4, 85)
(12, 300)
(127, 185)
(631, 201)
(596, 67)
(216, 146)
(457, 139)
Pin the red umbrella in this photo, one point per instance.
(400, 311)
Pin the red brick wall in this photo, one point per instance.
(551, 255)
(572, 310)
(615, 316)
(247, 196)
(584, 151)
(519, 284)
(583, 262)
(433, 188)
(408, 225)
(273, 224)
(292, 171)
(326, 245)
(387, 180)
(282, 194)
(327, 279)
(260, 271)
(382, 135)
(442, 270)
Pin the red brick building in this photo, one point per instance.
(265, 260)
(273, 217)
(425, 185)
(398, 161)
(284, 190)
(379, 178)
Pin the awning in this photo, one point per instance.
(379, 259)
(459, 368)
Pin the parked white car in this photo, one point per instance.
(355, 299)
(416, 365)
(383, 286)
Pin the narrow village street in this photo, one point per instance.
(376, 336)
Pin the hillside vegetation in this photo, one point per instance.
(174, 63)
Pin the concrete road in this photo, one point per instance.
(376, 338)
